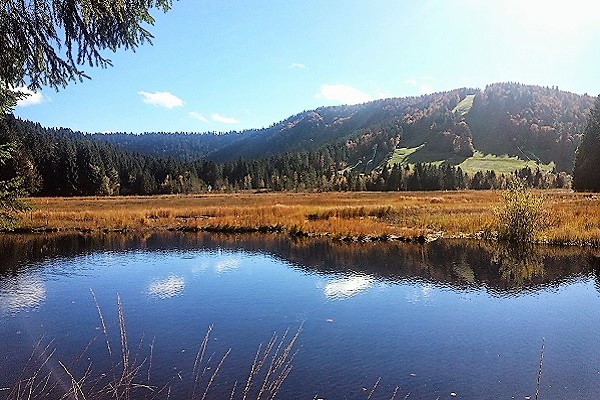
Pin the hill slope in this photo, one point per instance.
(525, 122)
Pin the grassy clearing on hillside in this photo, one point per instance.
(503, 164)
(500, 164)
(401, 155)
(413, 155)
(465, 105)
(344, 216)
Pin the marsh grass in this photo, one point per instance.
(573, 218)
(337, 215)
(45, 375)
(348, 212)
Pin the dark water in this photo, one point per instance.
(447, 318)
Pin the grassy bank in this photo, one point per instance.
(575, 217)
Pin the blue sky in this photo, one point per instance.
(234, 64)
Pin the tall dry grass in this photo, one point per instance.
(129, 375)
(574, 217)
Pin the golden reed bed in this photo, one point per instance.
(575, 217)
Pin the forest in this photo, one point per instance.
(60, 162)
(344, 148)
(337, 148)
(531, 122)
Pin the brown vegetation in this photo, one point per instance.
(574, 217)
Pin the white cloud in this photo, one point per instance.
(31, 99)
(198, 116)
(161, 99)
(297, 66)
(384, 95)
(412, 82)
(226, 120)
(343, 93)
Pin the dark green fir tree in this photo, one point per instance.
(586, 173)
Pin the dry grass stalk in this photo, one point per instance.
(539, 376)
(374, 388)
(76, 390)
(35, 384)
(198, 362)
(279, 356)
(214, 375)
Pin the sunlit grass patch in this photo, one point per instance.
(401, 155)
(465, 105)
(574, 217)
(499, 164)
(353, 212)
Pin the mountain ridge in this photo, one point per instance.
(464, 138)
(525, 121)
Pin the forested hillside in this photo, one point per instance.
(178, 145)
(436, 141)
(534, 122)
(529, 122)
(368, 133)
(60, 162)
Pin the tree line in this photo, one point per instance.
(60, 162)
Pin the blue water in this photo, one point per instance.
(434, 321)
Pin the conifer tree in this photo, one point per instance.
(44, 42)
(586, 173)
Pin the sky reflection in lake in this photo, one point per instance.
(21, 293)
(347, 287)
(449, 317)
(167, 288)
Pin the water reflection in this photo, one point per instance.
(519, 264)
(21, 293)
(464, 272)
(347, 287)
(457, 264)
(227, 264)
(166, 288)
(450, 316)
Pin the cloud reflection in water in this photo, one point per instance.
(21, 293)
(226, 265)
(347, 287)
(167, 288)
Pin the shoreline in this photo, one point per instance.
(236, 231)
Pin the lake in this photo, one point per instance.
(450, 319)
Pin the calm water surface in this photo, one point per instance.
(448, 318)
